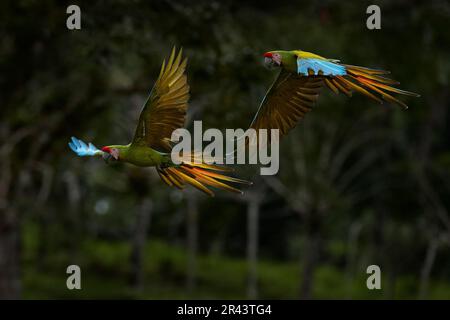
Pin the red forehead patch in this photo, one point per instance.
(268, 55)
(106, 149)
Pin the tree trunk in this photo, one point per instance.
(252, 246)
(43, 215)
(73, 213)
(426, 268)
(9, 255)
(143, 219)
(9, 237)
(352, 251)
(391, 282)
(311, 254)
(192, 241)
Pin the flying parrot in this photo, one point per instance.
(300, 80)
(162, 113)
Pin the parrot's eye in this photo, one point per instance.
(110, 154)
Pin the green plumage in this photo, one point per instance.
(142, 156)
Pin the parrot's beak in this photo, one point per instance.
(106, 156)
(109, 152)
(270, 60)
(270, 63)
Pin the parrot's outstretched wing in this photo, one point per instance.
(82, 149)
(290, 97)
(347, 78)
(165, 108)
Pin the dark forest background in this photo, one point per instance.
(359, 183)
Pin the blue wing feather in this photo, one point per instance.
(328, 68)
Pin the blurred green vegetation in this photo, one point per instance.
(359, 183)
(220, 277)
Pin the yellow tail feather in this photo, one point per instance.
(200, 176)
(369, 82)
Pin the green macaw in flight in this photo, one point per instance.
(300, 80)
(163, 112)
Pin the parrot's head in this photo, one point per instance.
(110, 152)
(272, 59)
(280, 58)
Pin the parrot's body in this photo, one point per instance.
(141, 156)
(163, 112)
(302, 76)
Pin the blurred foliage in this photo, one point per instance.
(105, 269)
(373, 180)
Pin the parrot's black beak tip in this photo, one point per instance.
(106, 157)
(270, 63)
